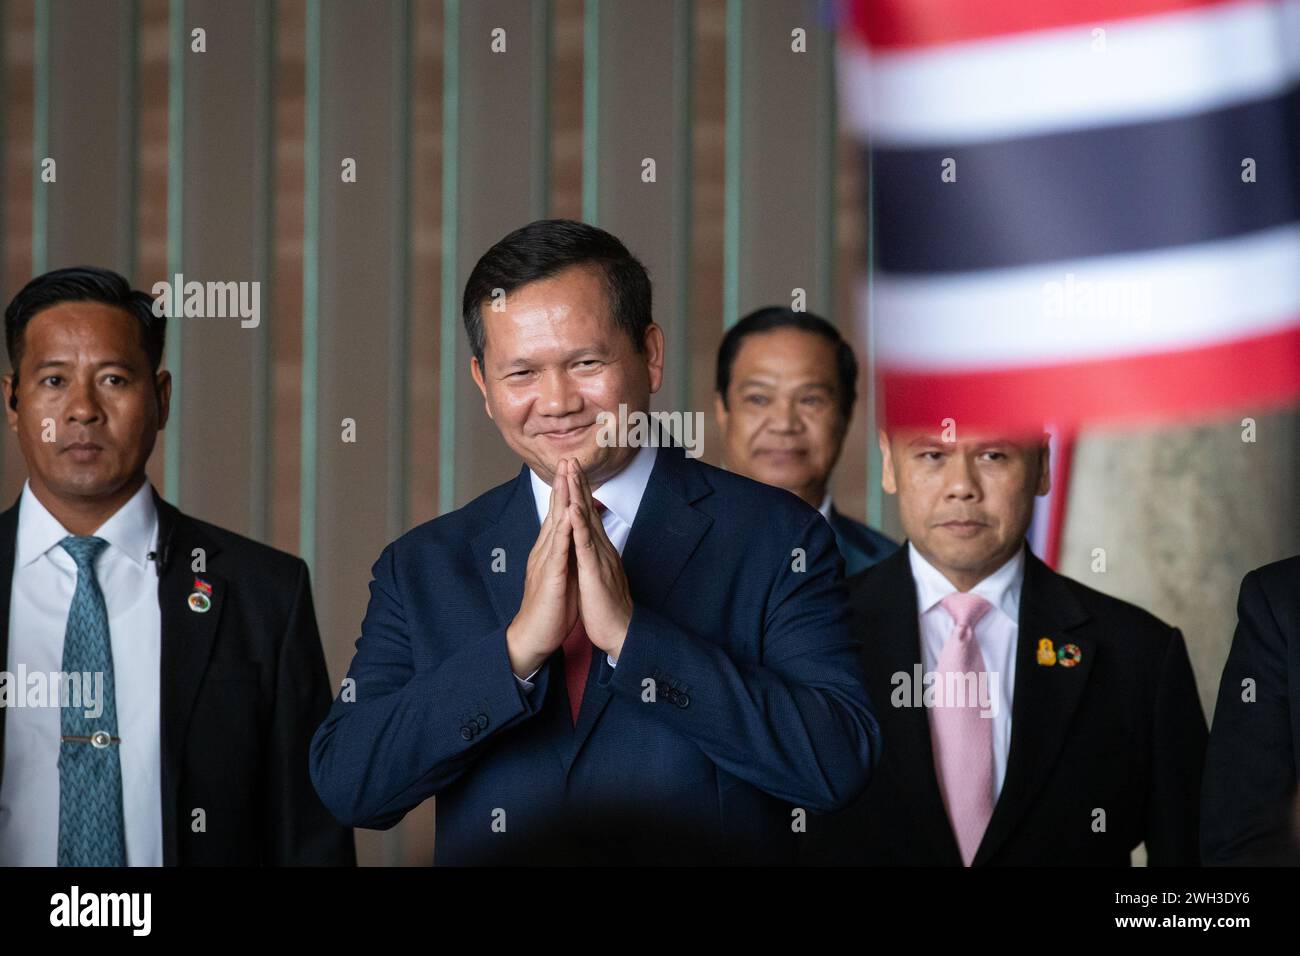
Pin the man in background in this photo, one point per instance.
(1030, 720)
(199, 667)
(785, 390)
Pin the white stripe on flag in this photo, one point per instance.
(1134, 303)
(1156, 67)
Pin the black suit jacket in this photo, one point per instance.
(860, 546)
(1249, 809)
(1122, 731)
(243, 688)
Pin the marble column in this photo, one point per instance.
(1182, 514)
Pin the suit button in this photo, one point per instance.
(482, 721)
(683, 700)
(465, 732)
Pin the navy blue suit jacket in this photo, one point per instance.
(737, 698)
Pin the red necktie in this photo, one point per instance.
(577, 656)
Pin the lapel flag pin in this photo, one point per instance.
(1069, 655)
(201, 598)
(1046, 654)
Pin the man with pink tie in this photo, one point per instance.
(1028, 719)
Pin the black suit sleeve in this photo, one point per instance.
(299, 831)
(1178, 740)
(1250, 774)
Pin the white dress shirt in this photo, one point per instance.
(45, 577)
(621, 496)
(996, 633)
(825, 507)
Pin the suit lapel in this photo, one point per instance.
(665, 534)
(1046, 697)
(187, 639)
(8, 550)
(515, 532)
(899, 638)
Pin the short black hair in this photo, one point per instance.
(81, 284)
(777, 317)
(546, 247)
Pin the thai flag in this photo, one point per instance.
(1082, 213)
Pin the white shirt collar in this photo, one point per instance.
(1001, 588)
(621, 494)
(132, 529)
(825, 507)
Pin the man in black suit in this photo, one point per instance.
(1030, 719)
(180, 666)
(1249, 811)
(784, 394)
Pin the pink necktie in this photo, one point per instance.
(962, 739)
(577, 656)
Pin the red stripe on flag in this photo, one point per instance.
(1261, 371)
(897, 24)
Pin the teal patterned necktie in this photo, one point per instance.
(91, 831)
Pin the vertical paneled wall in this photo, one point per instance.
(495, 152)
(637, 154)
(85, 139)
(355, 277)
(780, 157)
(220, 227)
